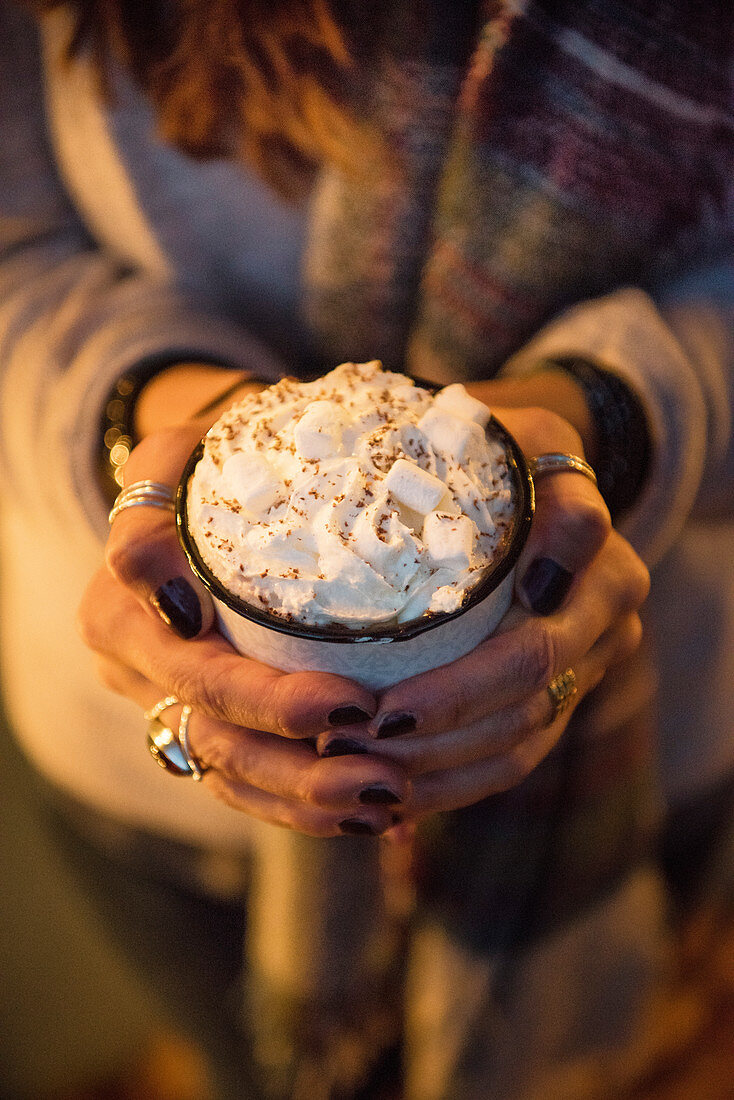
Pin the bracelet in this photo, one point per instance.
(118, 420)
(623, 437)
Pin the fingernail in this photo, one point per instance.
(393, 724)
(348, 716)
(178, 605)
(352, 826)
(343, 746)
(379, 796)
(545, 585)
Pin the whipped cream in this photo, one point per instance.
(359, 499)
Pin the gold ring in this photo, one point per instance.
(561, 691)
(557, 463)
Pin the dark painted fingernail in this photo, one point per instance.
(348, 716)
(178, 605)
(379, 796)
(344, 746)
(352, 826)
(393, 724)
(545, 585)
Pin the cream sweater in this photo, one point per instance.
(115, 248)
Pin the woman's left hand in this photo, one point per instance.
(479, 725)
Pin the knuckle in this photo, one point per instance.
(204, 692)
(308, 785)
(282, 704)
(88, 626)
(536, 711)
(145, 551)
(277, 706)
(515, 723)
(586, 522)
(641, 578)
(537, 656)
(517, 768)
(128, 561)
(456, 703)
(108, 675)
(220, 755)
(547, 425)
(636, 582)
(97, 619)
(631, 637)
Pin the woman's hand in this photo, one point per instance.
(480, 724)
(149, 621)
(249, 722)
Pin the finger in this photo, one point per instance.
(452, 790)
(121, 680)
(209, 675)
(513, 665)
(570, 526)
(502, 731)
(292, 770)
(367, 821)
(289, 769)
(143, 552)
(571, 519)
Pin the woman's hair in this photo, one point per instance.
(269, 80)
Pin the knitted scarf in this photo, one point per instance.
(544, 152)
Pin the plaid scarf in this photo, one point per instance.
(543, 153)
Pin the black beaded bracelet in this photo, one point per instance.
(118, 418)
(623, 437)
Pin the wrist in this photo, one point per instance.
(548, 388)
(182, 392)
(603, 409)
(153, 396)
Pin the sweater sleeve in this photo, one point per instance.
(674, 349)
(72, 317)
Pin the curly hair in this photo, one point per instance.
(268, 80)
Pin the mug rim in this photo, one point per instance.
(336, 632)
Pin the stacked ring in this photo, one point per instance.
(169, 749)
(183, 740)
(151, 493)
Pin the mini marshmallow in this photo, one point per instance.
(250, 479)
(414, 487)
(455, 400)
(449, 434)
(449, 540)
(318, 434)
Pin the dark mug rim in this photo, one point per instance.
(515, 541)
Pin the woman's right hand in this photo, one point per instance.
(150, 624)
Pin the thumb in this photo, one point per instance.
(143, 552)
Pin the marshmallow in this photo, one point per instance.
(250, 480)
(414, 487)
(449, 540)
(455, 400)
(451, 435)
(318, 434)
